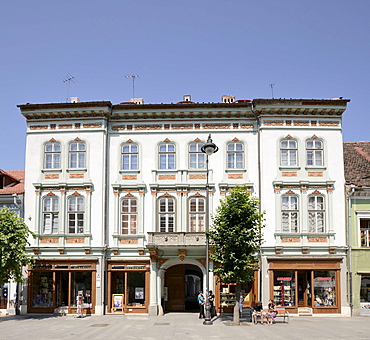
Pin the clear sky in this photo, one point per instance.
(206, 48)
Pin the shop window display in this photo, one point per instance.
(81, 285)
(42, 289)
(324, 288)
(284, 288)
(365, 292)
(136, 288)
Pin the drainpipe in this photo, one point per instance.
(259, 192)
(106, 225)
(349, 238)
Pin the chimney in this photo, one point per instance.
(137, 100)
(229, 98)
(75, 100)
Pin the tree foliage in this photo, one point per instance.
(236, 237)
(13, 242)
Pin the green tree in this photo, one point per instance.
(236, 237)
(13, 242)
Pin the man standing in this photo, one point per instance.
(201, 301)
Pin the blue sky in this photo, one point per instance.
(206, 48)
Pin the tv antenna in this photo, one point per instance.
(68, 79)
(272, 89)
(133, 76)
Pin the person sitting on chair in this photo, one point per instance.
(258, 311)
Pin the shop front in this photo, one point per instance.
(306, 283)
(128, 287)
(60, 285)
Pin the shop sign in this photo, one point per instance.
(61, 266)
(323, 278)
(42, 266)
(284, 279)
(116, 266)
(136, 267)
(80, 266)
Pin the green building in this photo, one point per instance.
(357, 175)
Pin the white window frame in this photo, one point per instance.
(364, 233)
(316, 214)
(314, 152)
(166, 214)
(197, 214)
(235, 156)
(129, 216)
(288, 152)
(289, 209)
(76, 216)
(50, 213)
(79, 153)
(197, 159)
(130, 156)
(55, 155)
(167, 155)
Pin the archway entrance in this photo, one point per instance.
(183, 282)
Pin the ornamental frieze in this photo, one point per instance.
(290, 239)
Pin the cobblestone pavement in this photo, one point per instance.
(177, 326)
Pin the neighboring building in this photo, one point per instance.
(357, 174)
(116, 197)
(12, 197)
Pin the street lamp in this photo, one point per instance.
(209, 148)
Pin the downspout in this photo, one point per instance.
(106, 229)
(349, 238)
(259, 192)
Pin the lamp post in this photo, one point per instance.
(209, 148)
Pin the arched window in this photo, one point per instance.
(130, 157)
(288, 152)
(166, 210)
(129, 216)
(316, 214)
(77, 155)
(196, 214)
(314, 152)
(289, 214)
(235, 155)
(76, 213)
(52, 156)
(50, 215)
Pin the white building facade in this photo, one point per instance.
(116, 197)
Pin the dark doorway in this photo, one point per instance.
(183, 283)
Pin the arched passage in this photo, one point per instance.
(183, 282)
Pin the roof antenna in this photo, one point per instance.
(133, 76)
(272, 89)
(68, 79)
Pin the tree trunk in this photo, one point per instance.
(236, 320)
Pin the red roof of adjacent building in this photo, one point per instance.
(357, 163)
(13, 182)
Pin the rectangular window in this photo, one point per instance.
(196, 156)
(51, 215)
(288, 152)
(42, 289)
(136, 288)
(52, 156)
(365, 232)
(129, 216)
(316, 214)
(166, 215)
(77, 155)
(365, 290)
(235, 156)
(196, 214)
(167, 156)
(289, 214)
(76, 211)
(324, 288)
(284, 288)
(314, 152)
(130, 157)
(81, 286)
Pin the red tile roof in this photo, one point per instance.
(357, 163)
(14, 182)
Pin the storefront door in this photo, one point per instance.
(304, 278)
